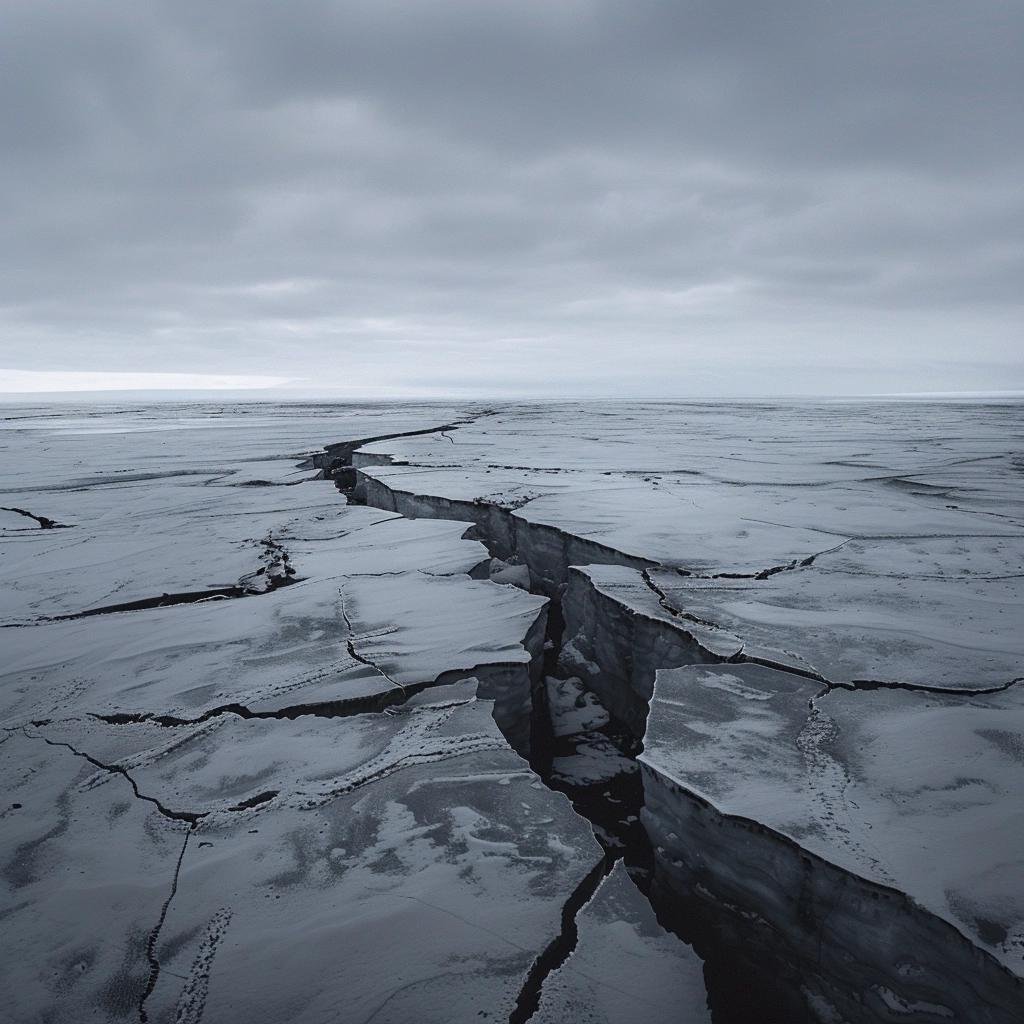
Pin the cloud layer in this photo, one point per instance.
(539, 196)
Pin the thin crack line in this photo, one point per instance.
(191, 817)
(740, 657)
(154, 935)
(350, 644)
(861, 685)
(562, 945)
(763, 574)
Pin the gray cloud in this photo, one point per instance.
(577, 197)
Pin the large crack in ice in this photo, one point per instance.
(551, 580)
(612, 824)
(335, 461)
(611, 806)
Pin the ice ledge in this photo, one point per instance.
(853, 778)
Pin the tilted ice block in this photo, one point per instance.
(878, 836)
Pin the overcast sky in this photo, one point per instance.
(528, 197)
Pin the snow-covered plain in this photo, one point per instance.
(276, 756)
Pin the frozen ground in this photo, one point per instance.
(275, 755)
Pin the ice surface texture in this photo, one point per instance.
(233, 799)
(266, 748)
(866, 561)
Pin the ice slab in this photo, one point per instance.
(357, 862)
(935, 612)
(418, 871)
(918, 792)
(403, 589)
